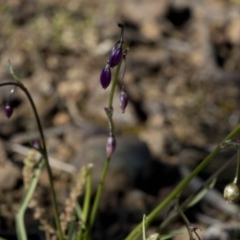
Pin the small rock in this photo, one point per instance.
(130, 161)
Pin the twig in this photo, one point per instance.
(65, 167)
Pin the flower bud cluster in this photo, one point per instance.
(114, 59)
(117, 54)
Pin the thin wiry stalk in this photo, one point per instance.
(44, 153)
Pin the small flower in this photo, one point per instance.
(111, 145)
(123, 100)
(36, 144)
(8, 110)
(231, 192)
(105, 77)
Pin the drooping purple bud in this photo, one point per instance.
(8, 110)
(111, 145)
(123, 100)
(36, 144)
(105, 77)
(116, 55)
(117, 52)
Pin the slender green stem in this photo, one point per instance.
(173, 215)
(44, 153)
(21, 230)
(178, 189)
(80, 233)
(86, 203)
(16, 78)
(194, 229)
(72, 230)
(78, 211)
(107, 161)
(183, 216)
(87, 196)
(143, 227)
(109, 109)
(113, 86)
(237, 169)
(98, 196)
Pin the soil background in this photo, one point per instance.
(183, 82)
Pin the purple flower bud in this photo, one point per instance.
(36, 144)
(105, 77)
(111, 145)
(8, 110)
(116, 55)
(123, 101)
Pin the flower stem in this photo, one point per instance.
(98, 195)
(114, 83)
(143, 227)
(44, 154)
(237, 169)
(178, 189)
(183, 216)
(107, 161)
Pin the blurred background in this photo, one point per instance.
(182, 80)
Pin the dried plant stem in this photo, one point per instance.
(54, 163)
(44, 154)
(21, 230)
(178, 189)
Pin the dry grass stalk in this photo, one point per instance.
(67, 215)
